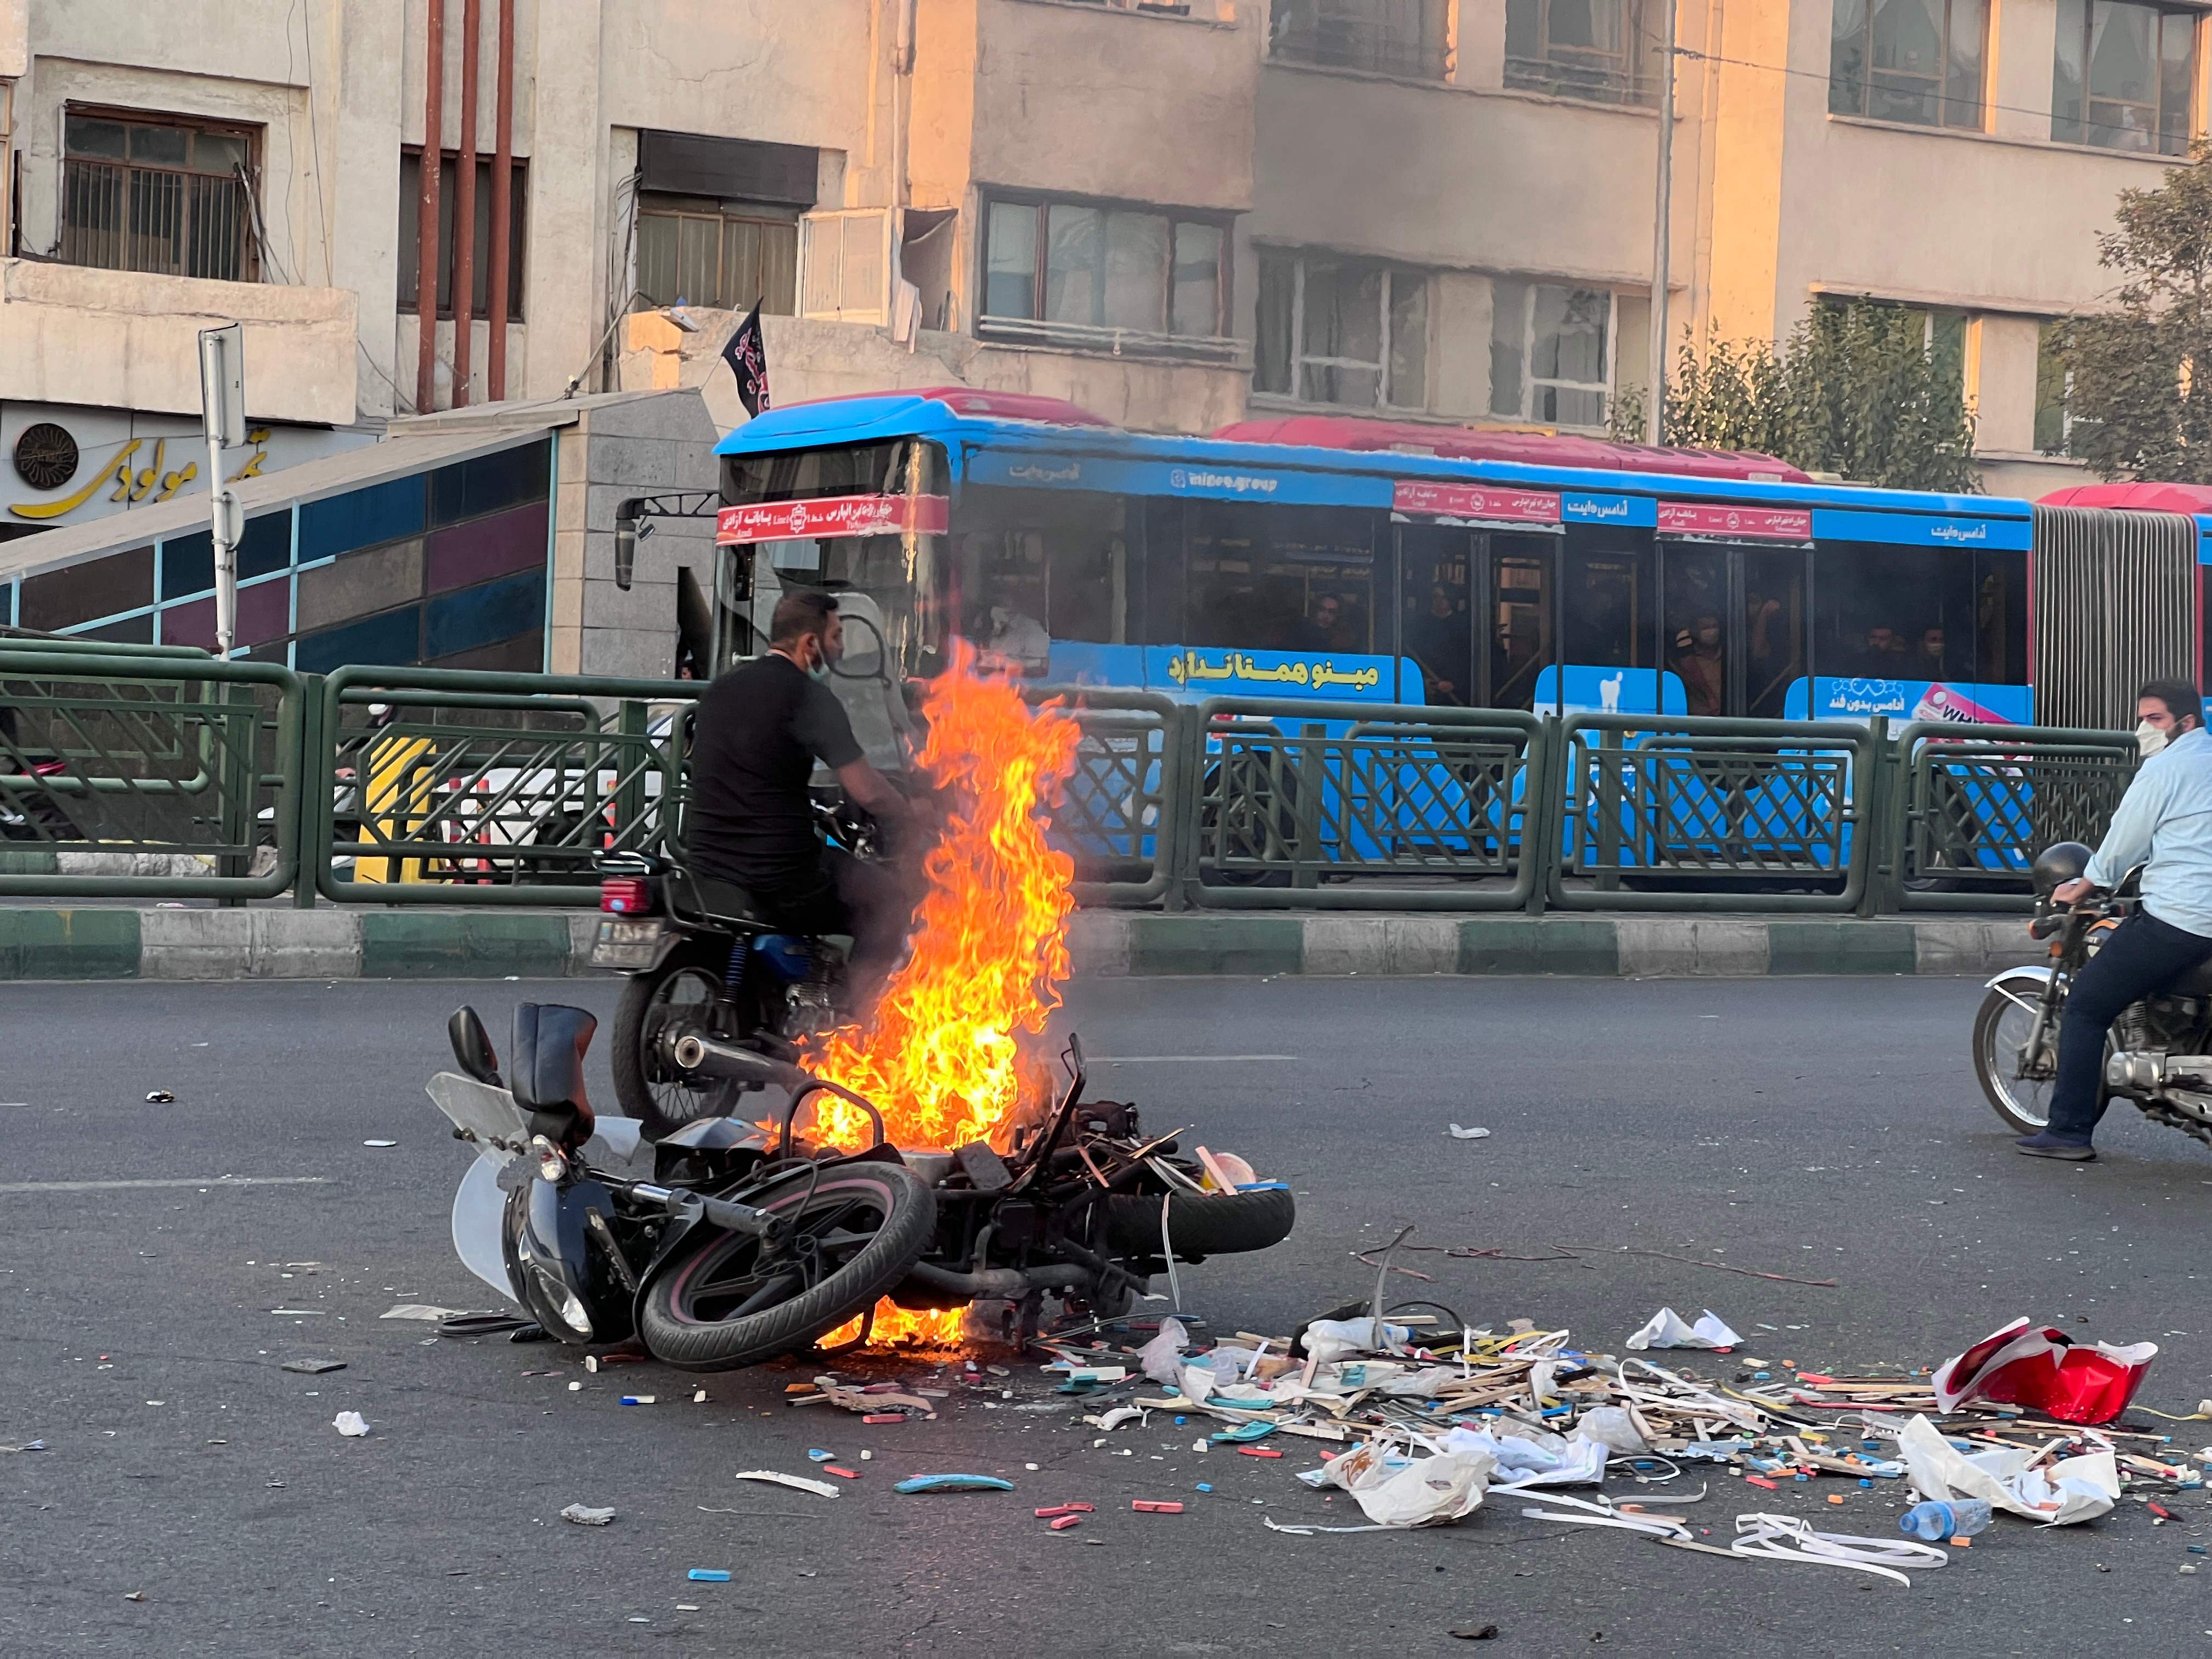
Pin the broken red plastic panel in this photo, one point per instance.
(1064, 1509)
(1144, 1506)
(1066, 1521)
(2045, 1371)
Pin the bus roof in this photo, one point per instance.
(971, 422)
(1463, 443)
(2194, 500)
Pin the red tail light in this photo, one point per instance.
(625, 896)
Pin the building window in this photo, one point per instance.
(1406, 38)
(156, 193)
(2054, 385)
(725, 254)
(1083, 273)
(410, 252)
(1336, 330)
(2125, 76)
(1918, 61)
(1597, 50)
(1943, 336)
(1551, 357)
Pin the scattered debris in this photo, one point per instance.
(1667, 1330)
(380, 1143)
(922, 1483)
(1481, 1633)
(134, 1596)
(2046, 1370)
(351, 1424)
(160, 1098)
(640, 1399)
(875, 1405)
(312, 1367)
(796, 1482)
(421, 1311)
(1144, 1506)
(709, 1575)
(584, 1515)
(1458, 1133)
(24, 1446)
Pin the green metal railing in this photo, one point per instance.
(1407, 808)
(1677, 813)
(456, 787)
(1120, 817)
(1974, 804)
(141, 775)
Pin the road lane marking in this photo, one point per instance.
(203, 1181)
(1177, 1060)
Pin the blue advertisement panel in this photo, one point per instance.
(1579, 688)
(1194, 672)
(1832, 524)
(1582, 506)
(1965, 701)
(1132, 477)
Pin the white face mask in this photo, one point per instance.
(2150, 738)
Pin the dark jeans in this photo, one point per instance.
(2143, 956)
(867, 901)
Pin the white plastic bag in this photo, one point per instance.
(1331, 1340)
(2070, 1491)
(350, 1425)
(1395, 1489)
(1161, 1359)
(1611, 1427)
(1667, 1330)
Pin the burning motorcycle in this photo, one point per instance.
(2158, 1052)
(741, 1248)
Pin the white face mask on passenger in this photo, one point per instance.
(2150, 739)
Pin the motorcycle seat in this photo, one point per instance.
(720, 900)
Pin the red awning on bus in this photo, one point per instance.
(2192, 499)
(1462, 443)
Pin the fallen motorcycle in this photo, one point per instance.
(742, 1247)
(2158, 1052)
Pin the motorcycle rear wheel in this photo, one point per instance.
(858, 1229)
(684, 991)
(1199, 1224)
(2002, 1029)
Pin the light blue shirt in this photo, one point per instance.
(2166, 817)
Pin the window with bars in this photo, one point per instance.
(157, 193)
(2125, 76)
(410, 222)
(723, 254)
(1598, 50)
(1411, 38)
(1917, 61)
(1551, 353)
(1337, 330)
(1081, 272)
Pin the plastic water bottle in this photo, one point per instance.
(1932, 1522)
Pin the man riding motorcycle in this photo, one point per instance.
(2165, 818)
(759, 730)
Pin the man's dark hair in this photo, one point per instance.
(2179, 697)
(802, 611)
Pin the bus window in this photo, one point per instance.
(1031, 566)
(1604, 603)
(1521, 618)
(1909, 614)
(1280, 579)
(1774, 627)
(2000, 617)
(863, 470)
(1438, 630)
(1696, 609)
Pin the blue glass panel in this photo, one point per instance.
(477, 615)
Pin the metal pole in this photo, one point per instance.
(1663, 216)
(429, 255)
(222, 407)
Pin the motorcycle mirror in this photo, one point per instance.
(472, 1045)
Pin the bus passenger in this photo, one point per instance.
(1928, 665)
(1702, 666)
(1439, 641)
(1017, 643)
(1885, 653)
(1317, 632)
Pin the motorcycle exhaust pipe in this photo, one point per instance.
(695, 1053)
(998, 1284)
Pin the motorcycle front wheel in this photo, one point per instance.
(2002, 1031)
(856, 1229)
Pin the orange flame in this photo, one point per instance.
(944, 1056)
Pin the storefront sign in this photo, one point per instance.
(68, 466)
(1751, 523)
(833, 515)
(1453, 500)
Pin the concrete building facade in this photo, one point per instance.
(1176, 213)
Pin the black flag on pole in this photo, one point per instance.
(747, 357)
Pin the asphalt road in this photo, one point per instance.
(1815, 1129)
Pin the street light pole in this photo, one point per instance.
(222, 407)
(1663, 227)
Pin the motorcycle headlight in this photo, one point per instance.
(552, 1162)
(564, 1301)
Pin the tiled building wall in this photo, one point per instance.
(447, 567)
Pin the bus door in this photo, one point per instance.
(1735, 621)
(1479, 611)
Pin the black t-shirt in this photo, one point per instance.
(760, 729)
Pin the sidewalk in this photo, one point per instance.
(39, 942)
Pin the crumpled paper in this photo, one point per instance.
(1667, 1330)
(350, 1425)
(2062, 1494)
(1532, 1457)
(1395, 1489)
(584, 1516)
(2046, 1370)
(1611, 1427)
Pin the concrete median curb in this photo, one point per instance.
(117, 942)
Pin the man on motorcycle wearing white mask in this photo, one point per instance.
(2164, 824)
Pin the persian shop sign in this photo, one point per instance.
(833, 515)
(71, 466)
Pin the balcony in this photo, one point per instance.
(125, 339)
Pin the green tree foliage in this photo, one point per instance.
(2139, 403)
(1855, 390)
